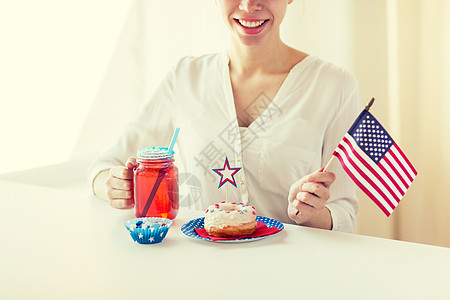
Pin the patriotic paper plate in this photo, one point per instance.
(188, 229)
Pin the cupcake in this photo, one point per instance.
(148, 230)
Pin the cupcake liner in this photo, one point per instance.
(148, 230)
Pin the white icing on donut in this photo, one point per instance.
(229, 214)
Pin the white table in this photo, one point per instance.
(57, 244)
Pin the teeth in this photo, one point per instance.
(251, 24)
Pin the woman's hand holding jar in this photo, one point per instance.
(119, 185)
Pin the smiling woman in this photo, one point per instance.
(238, 89)
(70, 86)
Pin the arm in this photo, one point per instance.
(99, 184)
(321, 202)
(111, 175)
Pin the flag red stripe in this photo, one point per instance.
(364, 175)
(405, 158)
(382, 168)
(386, 159)
(360, 185)
(374, 172)
(401, 165)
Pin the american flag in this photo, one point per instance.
(375, 162)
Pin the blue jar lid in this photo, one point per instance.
(155, 153)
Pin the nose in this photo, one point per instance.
(250, 6)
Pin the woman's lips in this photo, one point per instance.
(251, 26)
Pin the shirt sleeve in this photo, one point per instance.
(153, 126)
(343, 202)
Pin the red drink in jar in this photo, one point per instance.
(156, 184)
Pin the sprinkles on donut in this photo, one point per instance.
(230, 219)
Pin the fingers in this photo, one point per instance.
(119, 186)
(114, 194)
(323, 178)
(120, 199)
(316, 189)
(122, 203)
(295, 189)
(308, 196)
(310, 200)
(299, 211)
(326, 178)
(312, 194)
(293, 213)
(131, 163)
(121, 173)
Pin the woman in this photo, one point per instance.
(273, 110)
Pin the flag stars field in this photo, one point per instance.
(371, 138)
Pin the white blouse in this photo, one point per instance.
(294, 136)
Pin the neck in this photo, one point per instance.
(262, 58)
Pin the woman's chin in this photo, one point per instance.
(254, 40)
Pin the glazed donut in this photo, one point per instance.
(230, 219)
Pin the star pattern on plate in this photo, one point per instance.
(227, 174)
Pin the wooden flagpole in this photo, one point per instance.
(329, 163)
(369, 105)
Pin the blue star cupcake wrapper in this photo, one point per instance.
(148, 230)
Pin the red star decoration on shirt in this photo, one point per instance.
(227, 174)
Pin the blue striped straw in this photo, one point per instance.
(174, 138)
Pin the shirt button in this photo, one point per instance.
(241, 182)
(239, 160)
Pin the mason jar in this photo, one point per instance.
(156, 183)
